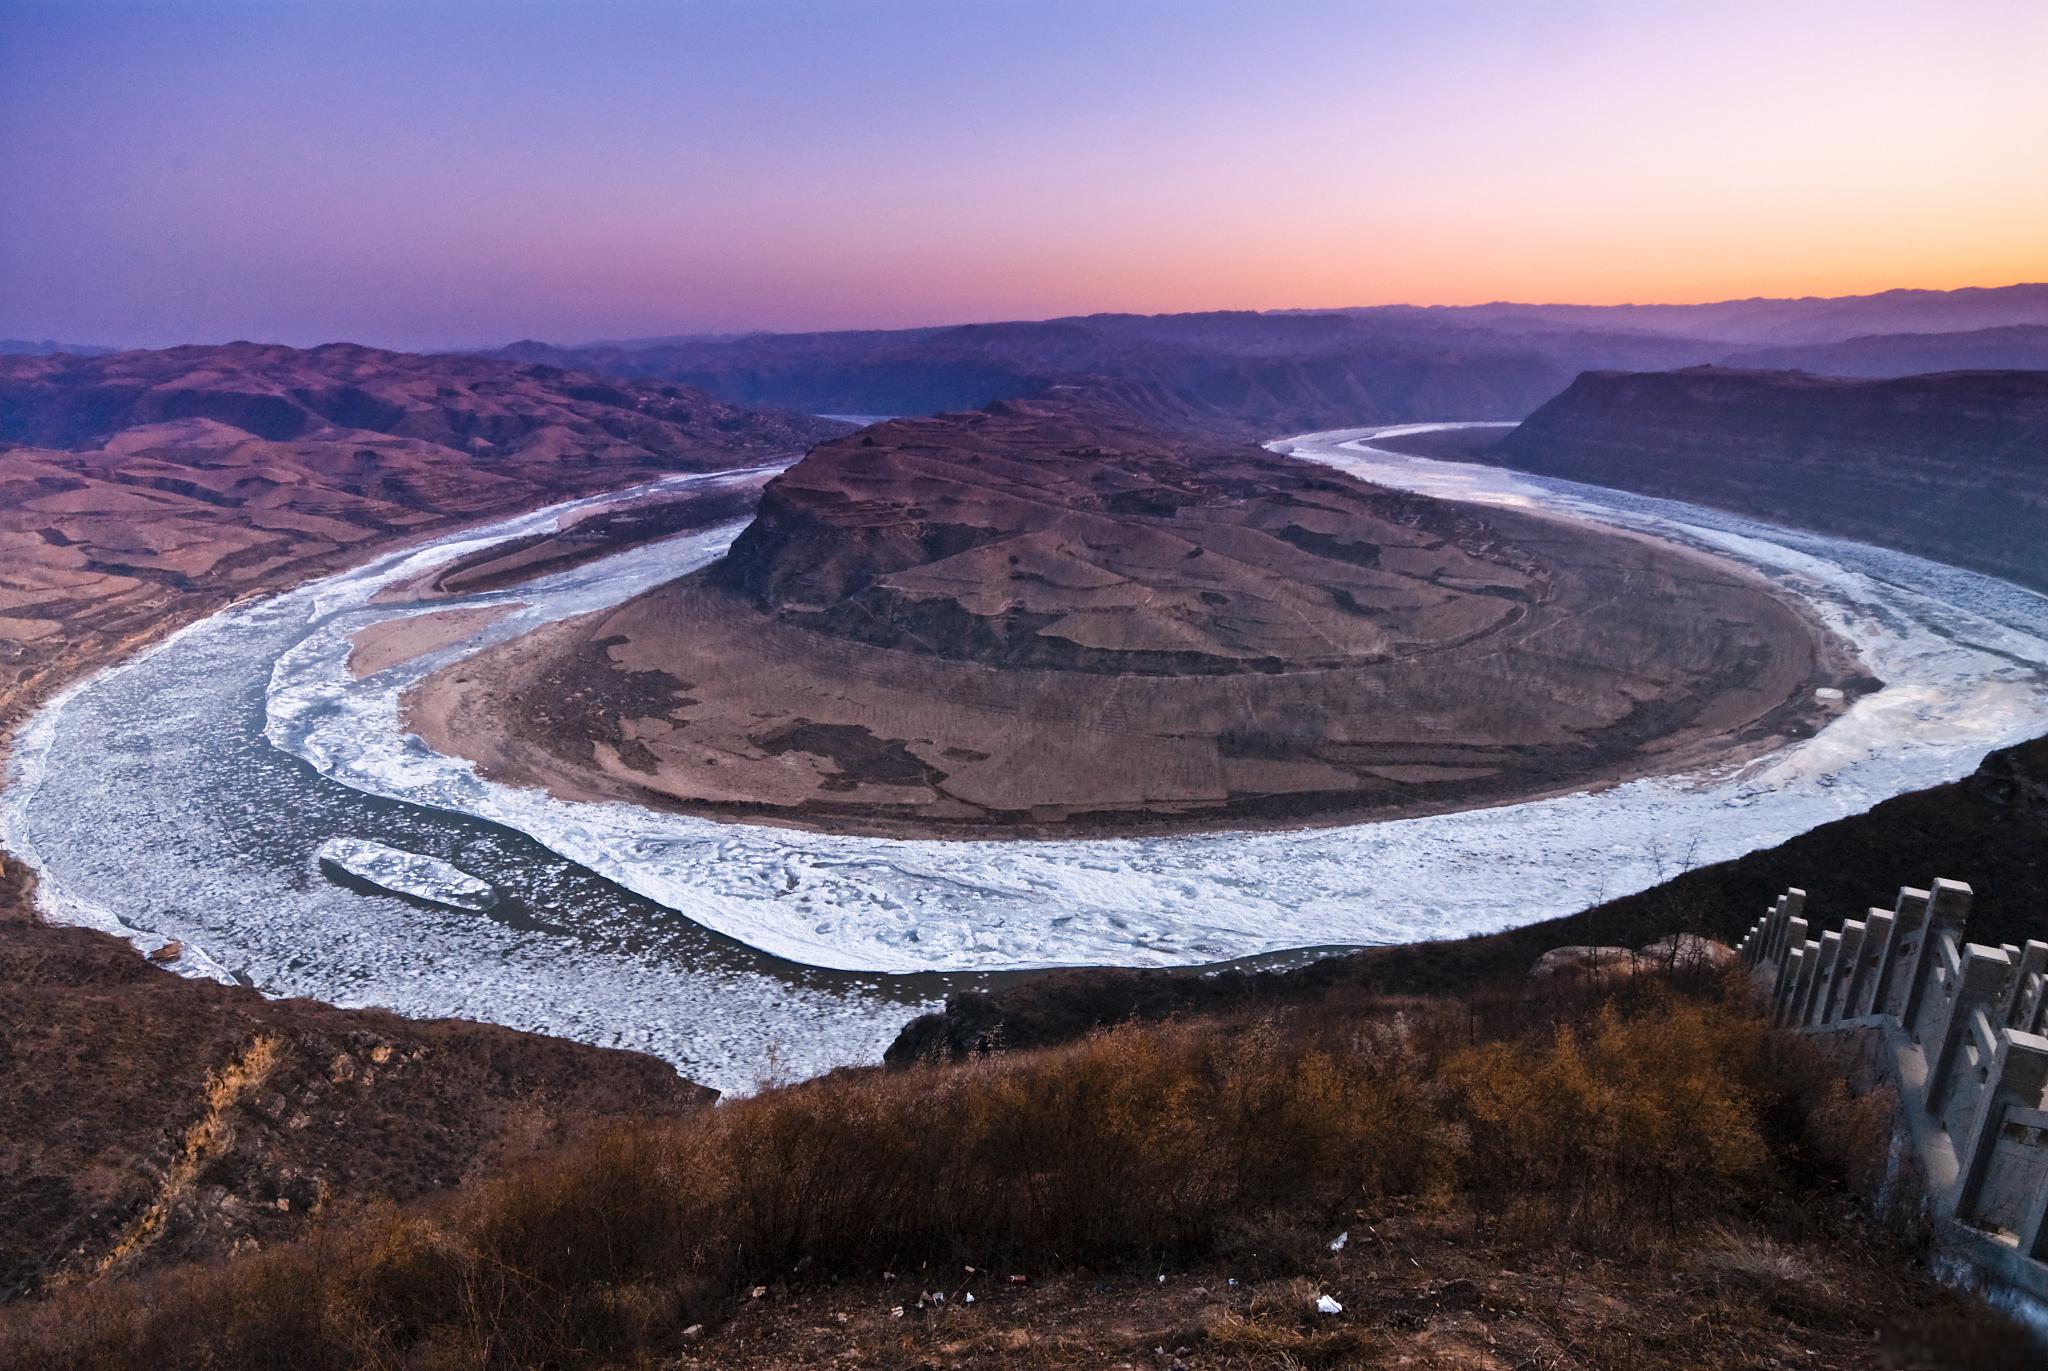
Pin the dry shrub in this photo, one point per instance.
(1646, 1116)
(1138, 1145)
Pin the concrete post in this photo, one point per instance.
(2019, 1076)
(1948, 909)
(1849, 975)
(1880, 931)
(1793, 976)
(1979, 983)
(1795, 938)
(2023, 1005)
(1909, 913)
(1791, 907)
(1809, 977)
(1824, 978)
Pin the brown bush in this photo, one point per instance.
(1138, 1145)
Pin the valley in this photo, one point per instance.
(761, 944)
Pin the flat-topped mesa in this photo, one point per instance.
(1027, 536)
(1047, 618)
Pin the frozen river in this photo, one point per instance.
(190, 789)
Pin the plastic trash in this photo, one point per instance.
(1337, 1243)
(1326, 1305)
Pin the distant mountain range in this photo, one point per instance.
(1266, 373)
(45, 347)
(2015, 347)
(1779, 322)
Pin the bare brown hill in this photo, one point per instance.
(142, 487)
(1951, 466)
(1047, 617)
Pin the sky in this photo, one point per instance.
(449, 173)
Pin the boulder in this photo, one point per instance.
(1583, 961)
(1687, 952)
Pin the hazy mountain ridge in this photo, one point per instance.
(1247, 372)
(1763, 320)
(282, 394)
(2013, 347)
(43, 347)
(1951, 466)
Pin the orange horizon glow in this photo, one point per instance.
(467, 173)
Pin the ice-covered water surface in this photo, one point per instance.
(155, 809)
(152, 791)
(1963, 655)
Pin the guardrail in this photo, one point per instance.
(1963, 1024)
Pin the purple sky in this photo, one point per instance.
(453, 172)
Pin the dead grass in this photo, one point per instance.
(1642, 1126)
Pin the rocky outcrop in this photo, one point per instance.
(1953, 467)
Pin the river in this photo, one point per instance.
(184, 793)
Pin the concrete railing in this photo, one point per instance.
(1963, 1024)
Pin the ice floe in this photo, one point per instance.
(407, 873)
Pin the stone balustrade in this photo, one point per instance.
(1964, 1025)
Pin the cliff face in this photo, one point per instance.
(1951, 466)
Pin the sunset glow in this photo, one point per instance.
(458, 173)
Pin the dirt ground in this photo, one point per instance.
(1414, 1291)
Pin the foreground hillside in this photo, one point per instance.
(1641, 1178)
(1952, 466)
(146, 1118)
(1048, 617)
